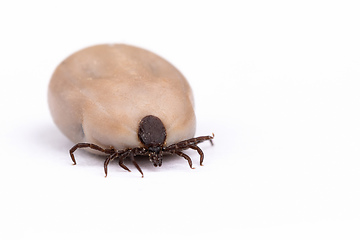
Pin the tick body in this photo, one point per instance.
(123, 101)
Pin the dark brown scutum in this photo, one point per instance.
(151, 131)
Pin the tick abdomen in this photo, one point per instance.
(100, 94)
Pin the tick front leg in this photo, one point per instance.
(121, 162)
(181, 154)
(135, 163)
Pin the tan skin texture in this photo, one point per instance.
(100, 94)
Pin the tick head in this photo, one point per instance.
(155, 155)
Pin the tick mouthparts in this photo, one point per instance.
(156, 158)
(156, 162)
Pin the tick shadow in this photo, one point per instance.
(50, 138)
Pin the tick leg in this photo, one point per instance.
(188, 143)
(86, 145)
(121, 163)
(211, 139)
(198, 140)
(186, 157)
(200, 153)
(107, 161)
(135, 163)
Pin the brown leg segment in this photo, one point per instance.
(181, 154)
(107, 161)
(86, 145)
(201, 153)
(135, 163)
(188, 143)
(121, 162)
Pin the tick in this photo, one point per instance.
(123, 101)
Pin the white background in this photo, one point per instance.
(276, 81)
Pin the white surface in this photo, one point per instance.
(277, 82)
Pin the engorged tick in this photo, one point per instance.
(124, 101)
